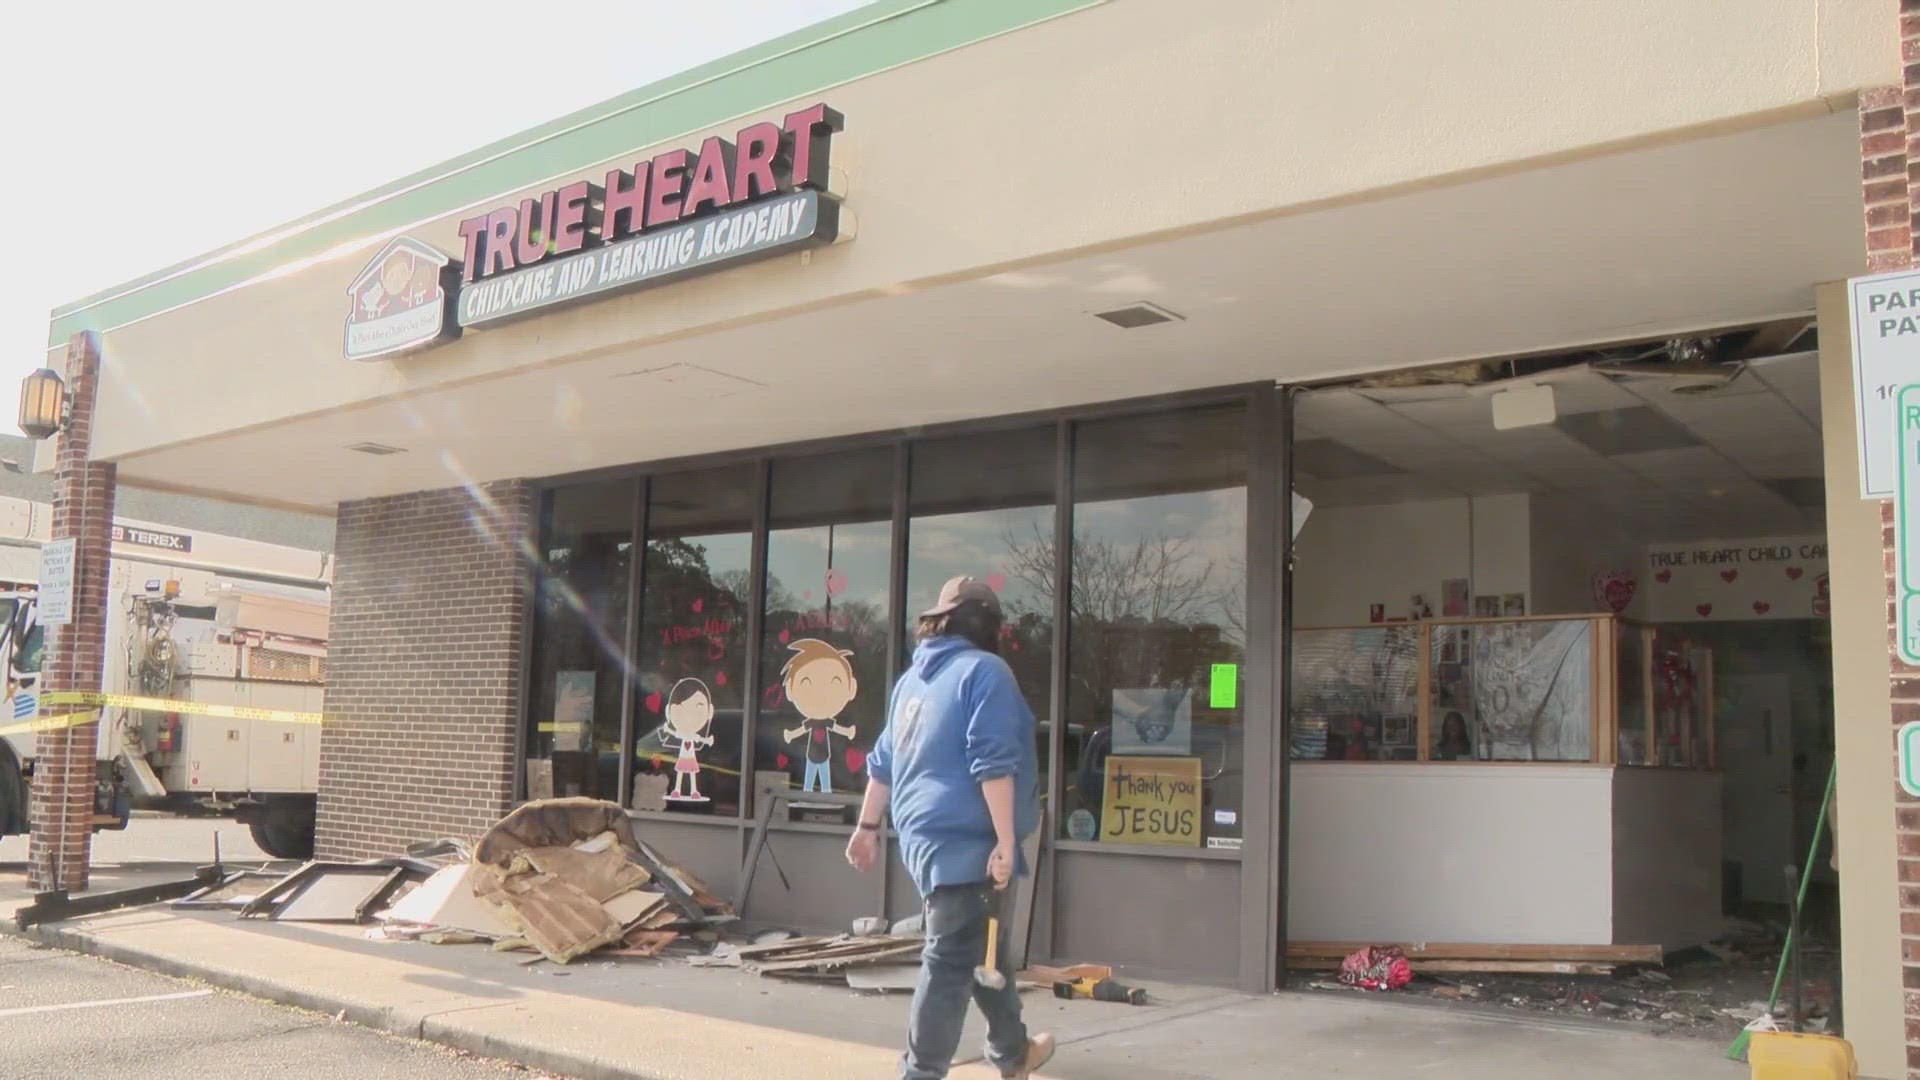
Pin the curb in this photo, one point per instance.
(419, 1025)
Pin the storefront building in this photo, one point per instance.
(647, 432)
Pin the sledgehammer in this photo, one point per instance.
(989, 974)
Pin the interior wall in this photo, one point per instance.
(1666, 857)
(1499, 854)
(1869, 885)
(1570, 544)
(1353, 557)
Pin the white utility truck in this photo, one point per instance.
(195, 618)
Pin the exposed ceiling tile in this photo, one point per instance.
(1325, 459)
(1801, 492)
(1625, 431)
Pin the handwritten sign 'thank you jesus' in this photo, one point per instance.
(1152, 800)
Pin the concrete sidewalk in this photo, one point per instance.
(665, 1020)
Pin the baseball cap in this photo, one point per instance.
(960, 590)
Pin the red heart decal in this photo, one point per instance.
(1728, 576)
(699, 606)
(1794, 572)
(774, 696)
(856, 759)
(720, 678)
(781, 761)
(1761, 607)
(1704, 610)
(996, 582)
(836, 581)
(1663, 576)
(1615, 589)
(653, 702)
(785, 636)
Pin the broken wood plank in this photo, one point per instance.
(1042, 975)
(1483, 967)
(834, 962)
(1596, 954)
(644, 944)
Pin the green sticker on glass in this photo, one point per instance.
(1226, 686)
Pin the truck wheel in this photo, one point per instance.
(13, 794)
(284, 838)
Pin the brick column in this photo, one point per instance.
(1890, 175)
(430, 601)
(61, 795)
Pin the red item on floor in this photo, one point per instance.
(1376, 967)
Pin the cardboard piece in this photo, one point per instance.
(631, 907)
(539, 779)
(650, 791)
(602, 874)
(885, 978)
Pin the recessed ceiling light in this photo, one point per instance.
(376, 449)
(1135, 316)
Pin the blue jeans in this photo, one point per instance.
(956, 932)
(822, 771)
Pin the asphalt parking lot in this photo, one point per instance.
(64, 1015)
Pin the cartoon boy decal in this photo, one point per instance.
(819, 681)
(689, 722)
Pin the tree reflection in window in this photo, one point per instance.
(1157, 602)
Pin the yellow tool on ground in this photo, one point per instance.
(1094, 989)
(1786, 1055)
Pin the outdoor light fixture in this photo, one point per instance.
(43, 404)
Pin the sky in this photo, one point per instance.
(138, 135)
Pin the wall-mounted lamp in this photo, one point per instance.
(43, 404)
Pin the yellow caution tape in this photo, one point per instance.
(662, 759)
(58, 721)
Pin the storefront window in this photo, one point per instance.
(823, 654)
(1158, 633)
(691, 660)
(579, 641)
(983, 505)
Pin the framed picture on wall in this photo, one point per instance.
(1396, 731)
(1513, 604)
(1453, 598)
(1486, 607)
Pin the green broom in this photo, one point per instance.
(1738, 1051)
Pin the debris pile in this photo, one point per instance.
(1711, 993)
(560, 877)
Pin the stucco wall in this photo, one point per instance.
(1869, 886)
(1120, 120)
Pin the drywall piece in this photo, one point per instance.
(446, 899)
(884, 978)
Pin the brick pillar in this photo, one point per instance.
(1890, 174)
(61, 800)
(430, 601)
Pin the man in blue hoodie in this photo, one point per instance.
(956, 768)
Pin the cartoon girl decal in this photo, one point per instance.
(688, 723)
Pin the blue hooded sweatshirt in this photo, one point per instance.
(955, 720)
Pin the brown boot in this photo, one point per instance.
(1039, 1052)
